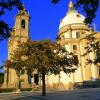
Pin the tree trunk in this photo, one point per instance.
(43, 83)
(18, 85)
(19, 82)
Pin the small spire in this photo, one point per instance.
(71, 6)
(23, 7)
(23, 10)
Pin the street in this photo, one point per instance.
(82, 94)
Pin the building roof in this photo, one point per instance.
(72, 16)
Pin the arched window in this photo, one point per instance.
(23, 24)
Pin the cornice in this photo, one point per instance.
(73, 27)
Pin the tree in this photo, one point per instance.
(89, 7)
(1, 67)
(93, 46)
(7, 5)
(45, 56)
(18, 64)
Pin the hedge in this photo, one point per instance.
(2, 90)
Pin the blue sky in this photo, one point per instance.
(44, 23)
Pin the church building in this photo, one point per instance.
(71, 33)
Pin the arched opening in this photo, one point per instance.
(36, 79)
(23, 24)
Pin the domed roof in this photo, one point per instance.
(72, 17)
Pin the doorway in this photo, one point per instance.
(36, 79)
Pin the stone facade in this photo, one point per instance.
(72, 33)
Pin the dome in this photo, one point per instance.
(72, 17)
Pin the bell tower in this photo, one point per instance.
(22, 24)
(19, 33)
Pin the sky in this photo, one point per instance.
(44, 22)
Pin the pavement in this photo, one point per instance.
(80, 94)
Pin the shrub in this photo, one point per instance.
(6, 90)
(26, 89)
(2, 90)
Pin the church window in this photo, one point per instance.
(23, 24)
(77, 34)
(74, 47)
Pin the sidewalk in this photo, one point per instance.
(79, 94)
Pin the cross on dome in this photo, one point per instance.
(71, 6)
